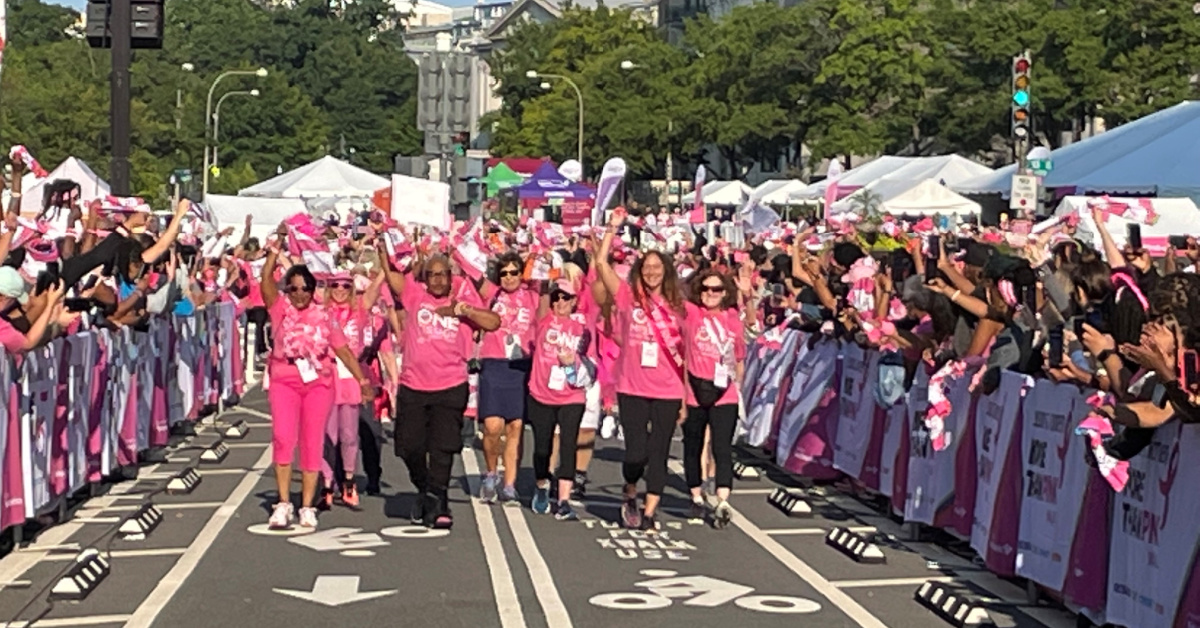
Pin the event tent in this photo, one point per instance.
(925, 197)
(944, 169)
(325, 177)
(547, 183)
(721, 193)
(778, 191)
(1151, 156)
(854, 178)
(1176, 216)
(91, 186)
(499, 178)
(231, 211)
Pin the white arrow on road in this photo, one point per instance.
(335, 591)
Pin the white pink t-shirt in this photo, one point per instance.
(517, 311)
(435, 348)
(555, 334)
(645, 368)
(355, 325)
(712, 338)
(309, 334)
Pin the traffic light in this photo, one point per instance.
(1022, 102)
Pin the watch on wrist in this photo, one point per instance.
(1104, 355)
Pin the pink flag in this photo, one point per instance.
(831, 187)
(697, 216)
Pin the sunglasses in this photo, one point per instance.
(295, 289)
(438, 273)
(510, 273)
(344, 285)
(713, 289)
(561, 296)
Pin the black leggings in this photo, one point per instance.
(648, 425)
(428, 434)
(723, 420)
(544, 418)
(258, 316)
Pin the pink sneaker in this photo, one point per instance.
(281, 516)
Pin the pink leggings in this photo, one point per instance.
(299, 412)
(342, 430)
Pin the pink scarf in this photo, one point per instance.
(666, 331)
(303, 334)
(1095, 428)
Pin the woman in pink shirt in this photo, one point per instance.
(558, 385)
(350, 310)
(648, 309)
(441, 314)
(302, 373)
(715, 351)
(504, 375)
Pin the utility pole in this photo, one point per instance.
(121, 26)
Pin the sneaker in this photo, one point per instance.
(631, 514)
(487, 488)
(649, 524)
(565, 512)
(541, 500)
(722, 515)
(373, 487)
(281, 516)
(608, 427)
(509, 496)
(432, 509)
(350, 495)
(326, 501)
(440, 506)
(698, 510)
(417, 514)
(308, 517)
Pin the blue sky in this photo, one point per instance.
(80, 4)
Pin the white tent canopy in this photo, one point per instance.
(1176, 216)
(231, 211)
(325, 177)
(926, 197)
(778, 191)
(91, 186)
(721, 193)
(944, 169)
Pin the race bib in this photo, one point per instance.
(649, 355)
(342, 371)
(512, 348)
(308, 374)
(721, 376)
(558, 378)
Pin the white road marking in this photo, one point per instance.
(815, 531)
(68, 622)
(539, 572)
(246, 445)
(171, 583)
(168, 506)
(852, 609)
(888, 582)
(749, 491)
(508, 605)
(251, 411)
(137, 553)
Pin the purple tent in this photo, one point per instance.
(547, 183)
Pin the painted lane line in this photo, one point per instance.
(246, 445)
(508, 605)
(845, 603)
(888, 582)
(169, 506)
(137, 553)
(750, 491)
(815, 531)
(251, 411)
(68, 622)
(149, 609)
(539, 573)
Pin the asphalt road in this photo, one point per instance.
(211, 562)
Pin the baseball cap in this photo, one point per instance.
(12, 284)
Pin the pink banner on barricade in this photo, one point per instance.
(1154, 531)
(998, 472)
(808, 417)
(895, 432)
(770, 359)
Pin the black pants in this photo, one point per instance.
(428, 434)
(723, 420)
(544, 418)
(370, 442)
(648, 425)
(258, 316)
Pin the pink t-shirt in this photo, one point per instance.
(706, 334)
(555, 334)
(307, 334)
(354, 325)
(517, 311)
(436, 348)
(639, 341)
(13, 340)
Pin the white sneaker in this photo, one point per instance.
(308, 517)
(608, 427)
(281, 516)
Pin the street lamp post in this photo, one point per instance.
(261, 72)
(533, 74)
(216, 137)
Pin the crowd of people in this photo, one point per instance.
(641, 324)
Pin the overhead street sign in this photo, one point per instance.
(1024, 192)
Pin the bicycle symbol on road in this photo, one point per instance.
(703, 591)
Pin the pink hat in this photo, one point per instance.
(565, 285)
